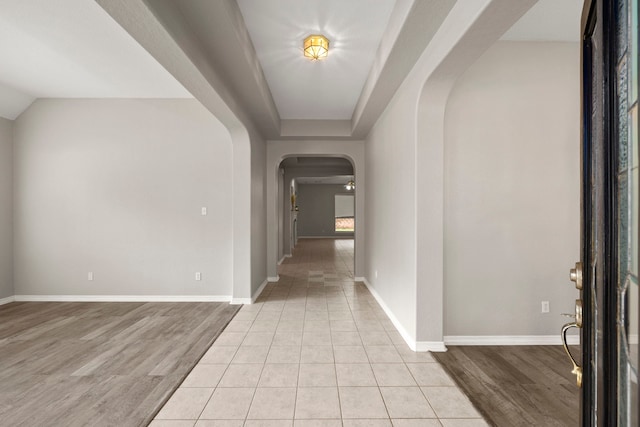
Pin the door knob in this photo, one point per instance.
(577, 369)
(575, 274)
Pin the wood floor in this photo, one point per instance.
(106, 364)
(516, 385)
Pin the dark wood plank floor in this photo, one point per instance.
(99, 364)
(516, 385)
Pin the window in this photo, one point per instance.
(344, 213)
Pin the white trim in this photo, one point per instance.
(253, 298)
(273, 279)
(510, 340)
(259, 291)
(288, 255)
(282, 259)
(123, 298)
(337, 236)
(436, 346)
(7, 300)
(415, 346)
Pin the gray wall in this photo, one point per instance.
(258, 212)
(116, 187)
(391, 193)
(291, 173)
(316, 216)
(512, 193)
(6, 209)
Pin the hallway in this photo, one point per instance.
(316, 350)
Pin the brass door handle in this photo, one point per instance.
(577, 370)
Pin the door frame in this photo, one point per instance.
(600, 151)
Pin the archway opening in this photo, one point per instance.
(316, 200)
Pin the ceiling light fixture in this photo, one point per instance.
(350, 185)
(316, 46)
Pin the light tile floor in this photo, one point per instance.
(316, 350)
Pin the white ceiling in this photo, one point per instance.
(328, 89)
(548, 20)
(72, 49)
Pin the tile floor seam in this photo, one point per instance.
(255, 391)
(205, 405)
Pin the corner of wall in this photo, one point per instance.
(7, 285)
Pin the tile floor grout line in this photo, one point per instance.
(255, 390)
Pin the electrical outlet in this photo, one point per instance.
(545, 306)
(90, 276)
(375, 274)
(198, 276)
(203, 211)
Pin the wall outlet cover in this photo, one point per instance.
(545, 306)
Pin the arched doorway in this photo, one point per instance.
(342, 160)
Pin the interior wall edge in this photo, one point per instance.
(7, 203)
(7, 300)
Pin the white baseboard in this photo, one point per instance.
(257, 293)
(415, 346)
(346, 236)
(253, 298)
(123, 298)
(439, 346)
(288, 255)
(273, 279)
(510, 340)
(7, 300)
(434, 346)
(282, 259)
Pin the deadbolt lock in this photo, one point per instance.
(575, 274)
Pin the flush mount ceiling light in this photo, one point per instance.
(350, 185)
(316, 46)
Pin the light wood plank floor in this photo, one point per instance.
(516, 385)
(99, 364)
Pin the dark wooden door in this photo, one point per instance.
(607, 310)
